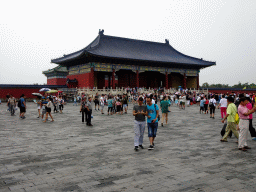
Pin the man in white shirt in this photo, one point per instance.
(223, 106)
(102, 103)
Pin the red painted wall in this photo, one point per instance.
(56, 81)
(17, 92)
(83, 79)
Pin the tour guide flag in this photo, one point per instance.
(244, 88)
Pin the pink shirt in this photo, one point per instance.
(241, 110)
(249, 106)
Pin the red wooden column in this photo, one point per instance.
(170, 84)
(113, 79)
(166, 80)
(184, 81)
(91, 81)
(197, 82)
(137, 79)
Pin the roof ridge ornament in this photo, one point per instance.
(101, 32)
(167, 41)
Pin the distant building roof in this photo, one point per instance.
(60, 69)
(123, 48)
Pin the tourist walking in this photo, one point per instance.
(39, 106)
(11, 104)
(125, 103)
(202, 101)
(251, 128)
(164, 104)
(61, 104)
(223, 106)
(153, 112)
(230, 116)
(139, 111)
(212, 105)
(102, 103)
(243, 128)
(206, 105)
(83, 109)
(118, 106)
(110, 105)
(23, 106)
(89, 111)
(48, 108)
(96, 101)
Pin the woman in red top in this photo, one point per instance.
(206, 105)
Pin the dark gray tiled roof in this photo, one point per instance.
(123, 48)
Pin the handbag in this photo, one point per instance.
(158, 113)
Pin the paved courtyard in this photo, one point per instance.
(66, 155)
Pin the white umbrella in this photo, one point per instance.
(37, 94)
(44, 89)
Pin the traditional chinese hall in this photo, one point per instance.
(110, 61)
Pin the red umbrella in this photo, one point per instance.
(60, 91)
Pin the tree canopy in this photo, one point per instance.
(239, 85)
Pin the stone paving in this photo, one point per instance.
(66, 155)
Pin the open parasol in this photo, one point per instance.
(37, 94)
(52, 91)
(44, 89)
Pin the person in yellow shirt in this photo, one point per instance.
(230, 116)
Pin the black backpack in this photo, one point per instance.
(19, 103)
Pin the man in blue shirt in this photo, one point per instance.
(153, 112)
(22, 106)
(202, 101)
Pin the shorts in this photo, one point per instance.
(22, 109)
(48, 109)
(125, 106)
(201, 108)
(102, 106)
(97, 102)
(43, 111)
(152, 129)
(118, 108)
(61, 107)
(110, 109)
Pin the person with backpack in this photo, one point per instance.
(230, 116)
(212, 105)
(152, 120)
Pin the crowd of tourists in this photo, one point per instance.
(44, 105)
(236, 111)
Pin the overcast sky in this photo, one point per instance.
(34, 32)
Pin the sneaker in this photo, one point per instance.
(150, 147)
(136, 148)
(254, 139)
(141, 147)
